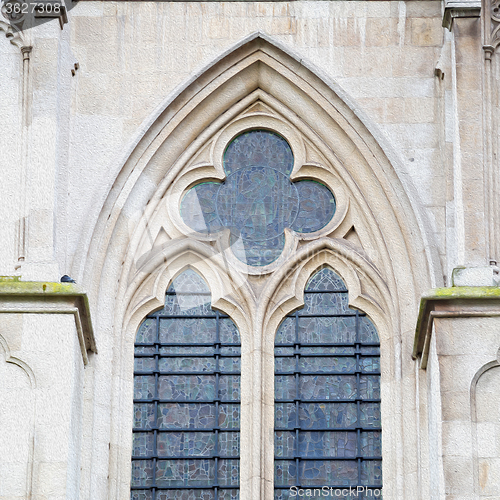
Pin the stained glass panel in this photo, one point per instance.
(258, 201)
(186, 441)
(316, 206)
(327, 394)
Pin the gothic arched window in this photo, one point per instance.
(327, 395)
(186, 442)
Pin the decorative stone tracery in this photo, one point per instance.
(141, 242)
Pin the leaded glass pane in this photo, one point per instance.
(186, 387)
(186, 494)
(229, 494)
(187, 331)
(325, 280)
(285, 472)
(144, 364)
(328, 444)
(144, 387)
(229, 388)
(188, 350)
(142, 472)
(186, 416)
(186, 305)
(258, 148)
(320, 472)
(371, 444)
(327, 330)
(326, 303)
(327, 394)
(327, 387)
(186, 441)
(147, 332)
(179, 364)
(144, 416)
(328, 415)
(199, 208)
(327, 364)
(229, 444)
(286, 332)
(185, 472)
(369, 414)
(228, 472)
(185, 444)
(229, 416)
(143, 444)
(230, 351)
(371, 472)
(258, 201)
(230, 365)
(316, 206)
(189, 283)
(142, 495)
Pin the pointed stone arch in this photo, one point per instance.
(194, 113)
(256, 81)
(369, 293)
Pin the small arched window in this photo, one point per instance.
(327, 395)
(186, 441)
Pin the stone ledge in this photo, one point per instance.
(39, 297)
(459, 9)
(452, 302)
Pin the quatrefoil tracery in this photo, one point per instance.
(258, 201)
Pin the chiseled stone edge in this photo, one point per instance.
(40, 297)
(460, 9)
(472, 301)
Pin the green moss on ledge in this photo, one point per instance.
(463, 292)
(466, 296)
(47, 297)
(15, 287)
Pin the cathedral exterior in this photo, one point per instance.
(233, 164)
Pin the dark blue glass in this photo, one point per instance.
(186, 441)
(258, 201)
(327, 394)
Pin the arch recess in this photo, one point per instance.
(254, 69)
(380, 243)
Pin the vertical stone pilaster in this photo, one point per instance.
(469, 170)
(491, 40)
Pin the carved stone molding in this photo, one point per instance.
(15, 36)
(459, 9)
(491, 26)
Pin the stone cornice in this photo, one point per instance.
(453, 302)
(39, 297)
(458, 9)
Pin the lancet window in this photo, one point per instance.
(327, 396)
(186, 440)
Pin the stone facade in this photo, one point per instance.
(110, 117)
